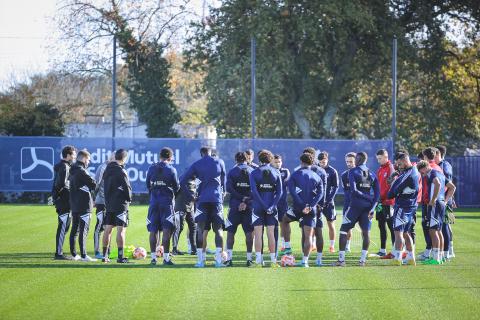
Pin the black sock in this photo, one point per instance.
(120, 253)
(105, 249)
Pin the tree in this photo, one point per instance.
(28, 118)
(143, 29)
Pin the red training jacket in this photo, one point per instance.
(382, 175)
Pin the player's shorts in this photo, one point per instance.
(329, 212)
(100, 212)
(117, 219)
(403, 218)
(436, 215)
(386, 213)
(356, 214)
(236, 218)
(305, 220)
(209, 212)
(160, 217)
(282, 209)
(261, 218)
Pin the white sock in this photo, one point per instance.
(153, 255)
(272, 257)
(436, 254)
(427, 252)
(200, 255)
(445, 254)
(341, 255)
(249, 256)
(364, 255)
(305, 260)
(282, 241)
(258, 257)
(348, 245)
(218, 255)
(332, 243)
(166, 256)
(287, 244)
(229, 254)
(383, 250)
(409, 255)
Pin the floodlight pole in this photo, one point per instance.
(253, 48)
(114, 90)
(394, 92)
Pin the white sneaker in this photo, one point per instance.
(88, 259)
(76, 258)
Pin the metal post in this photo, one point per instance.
(253, 94)
(114, 91)
(394, 92)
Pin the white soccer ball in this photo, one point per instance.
(139, 253)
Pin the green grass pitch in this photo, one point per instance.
(34, 286)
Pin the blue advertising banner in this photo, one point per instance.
(26, 163)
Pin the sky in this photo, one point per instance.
(26, 30)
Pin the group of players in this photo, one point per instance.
(258, 202)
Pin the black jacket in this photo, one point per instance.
(61, 186)
(81, 187)
(117, 189)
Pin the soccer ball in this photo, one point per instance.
(224, 256)
(139, 253)
(159, 251)
(287, 261)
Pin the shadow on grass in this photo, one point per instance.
(467, 217)
(383, 289)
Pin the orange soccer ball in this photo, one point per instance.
(287, 261)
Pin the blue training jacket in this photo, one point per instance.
(238, 184)
(362, 181)
(346, 189)
(405, 189)
(306, 188)
(266, 186)
(211, 174)
(332, 184)
(162, 183)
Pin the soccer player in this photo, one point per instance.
(266, 187)
(118, 195)
(405, 190)
(428, 154)
(350, 162)
(362, 206)
(282, 204)
(61, 198)
(240, 213)
(82, 186)
(436, 184)
(210, 171)
(328, 206)
(184, 209)
(384, 216)
(306, 189)
(250, 157)
(100, 206)
(162, 184)
(447, 227)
